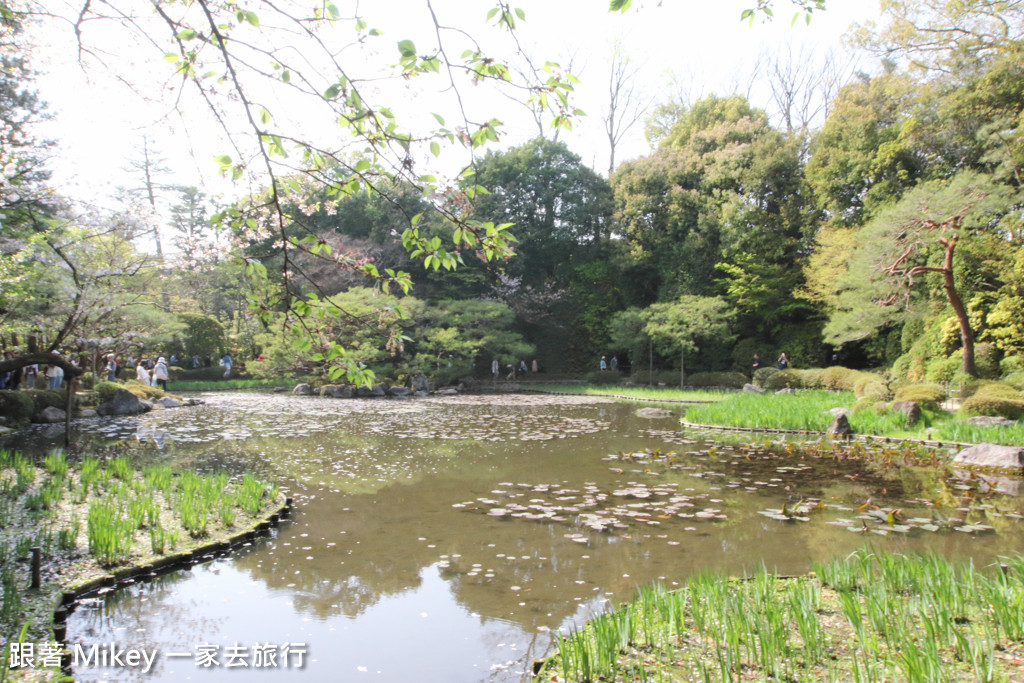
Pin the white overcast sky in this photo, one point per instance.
(99, 122)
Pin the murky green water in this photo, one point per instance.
(444, 540)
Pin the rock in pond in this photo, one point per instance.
(399, 392)
(302, 390)
(49, 415)
(376, 391)
(840, 427)
(337, 391)
(653, 412)
(1009, 458)
(750, 388)
(123, 402)
(167, 402)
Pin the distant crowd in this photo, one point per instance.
(149, 371)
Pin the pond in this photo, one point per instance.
(447, 539)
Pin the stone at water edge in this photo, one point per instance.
(420, 383)
(911, 409)
(50, 415)
(337, 391)
(302, 390)
(123, 402)
(400, 392)
(168, 402)
(1010, 458)
(653, 412)
(840, 427)
(751, 389)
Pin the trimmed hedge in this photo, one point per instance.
(763, 375)
(604, 377)
(995, 399)
(926, 394)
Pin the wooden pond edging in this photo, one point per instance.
(127, 576)
(617, 396)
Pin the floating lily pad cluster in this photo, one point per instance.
(630, 505)
(482, 427)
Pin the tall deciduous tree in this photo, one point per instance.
(686, 323)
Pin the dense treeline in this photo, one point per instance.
(888, 237)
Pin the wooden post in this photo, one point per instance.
(36, 566)
(68, 407)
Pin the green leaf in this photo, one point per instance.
(407, 48)
(520, 13)
(619, 5)
(186, 34)
(435, 148)
(252, 19)
(286, 76)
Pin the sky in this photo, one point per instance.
(126, 92)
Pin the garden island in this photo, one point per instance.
(412, 387)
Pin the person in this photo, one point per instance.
(111, 368)
(604, 363)
(55, 374)
(783, 362)
(195, 362)
(522, 366)
(174, 359)
(160, 375)
(495, 368)
(757, 362)
(141, 373)
(226, 362)
(534, 367)
(30, 373)
(615, 363)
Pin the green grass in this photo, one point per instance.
(655, 394)
(807, 410)
(232, 384)
(866, 617)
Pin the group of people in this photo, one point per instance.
(782, 362)
(26, 377)
(613, 365)
(513, 368)
(148, 372)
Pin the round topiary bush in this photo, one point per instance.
(105, 390)
(837, 378)
(995, 399)
(927, 394)
(872, 387)
(763, 375)
(785, 379)
(1011, 365)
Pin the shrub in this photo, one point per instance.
(1014, 379)
(87, 380)
(811, 378)
(733, 380)
(995, 399)
(872, 387)
(607, 377)
(986, 360)
(49, 398)
(16, 405)
(837, 378)
(943, 369)
(925, 394)
(667, 377)
(762, 376)
(1011, 365)
(784, 379)
(105, 390)
(863, 404)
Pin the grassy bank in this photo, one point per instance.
(808, 410)
(95, 515)
(864, 618)
(232, 384)
(656, 394)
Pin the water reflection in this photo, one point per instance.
(396, 566)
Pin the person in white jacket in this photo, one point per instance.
(160, 375)
(142, 374)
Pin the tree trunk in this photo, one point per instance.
(966, 332)
(682, 369)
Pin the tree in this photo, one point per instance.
(467, 331)
(687, 322)
(625, 105)
(898, 249)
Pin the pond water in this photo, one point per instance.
(446, 539)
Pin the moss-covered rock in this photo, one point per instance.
(16, 405)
